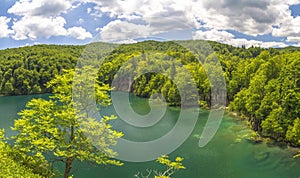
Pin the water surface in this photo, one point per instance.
(229, 154)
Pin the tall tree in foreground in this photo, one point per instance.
(55, 129)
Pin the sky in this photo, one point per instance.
(263, 23)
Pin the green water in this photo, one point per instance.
(228, 155)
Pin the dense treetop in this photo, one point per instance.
(26, 70)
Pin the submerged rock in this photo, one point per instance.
(261, 156)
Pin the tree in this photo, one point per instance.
(57, 130)
(171, 168)
(272, 126)
(8, 87)
(293, 133)
(9, 166)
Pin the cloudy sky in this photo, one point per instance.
(264, 23)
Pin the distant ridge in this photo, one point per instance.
(153, 40)
(290, 48)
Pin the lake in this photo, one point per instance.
(229, 153)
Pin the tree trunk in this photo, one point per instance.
(69, 161)
(68, 168)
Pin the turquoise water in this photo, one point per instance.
(228, 155)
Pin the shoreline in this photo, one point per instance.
(262, 139)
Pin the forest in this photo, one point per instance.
(261, 85)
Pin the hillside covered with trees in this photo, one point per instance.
(262, 84)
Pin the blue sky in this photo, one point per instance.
(261, 23)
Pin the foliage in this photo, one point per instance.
(26, 70)
(271, 100)
(171, 168)
(57, 130)
(9, 165)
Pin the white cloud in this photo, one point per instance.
(148, 17)
(213, 35)
(228, 38)
(120, 30)
(80, 21)
(41, 19)
(248, 17)
(36, 26)
(4, 30)
(245, 16)
(242, 41)
(293, 39)
(273, 44)
(40, 7)
(160, 15)
(88, 10)
(96, 12)
(248, 43)
(144, 18)
(79, 33)
(290, 27)
(224, 37)
(98, 29)
(112, 7)
(128, 41)
(76, 5)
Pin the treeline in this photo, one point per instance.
(261, 84)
